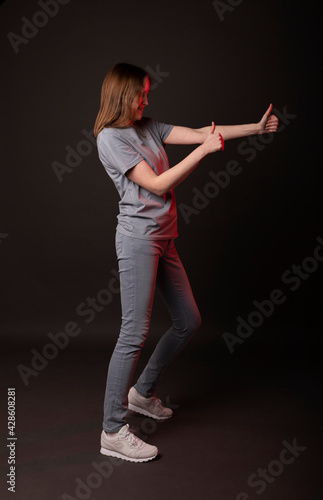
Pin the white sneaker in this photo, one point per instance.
(127, 446)
(151, 407)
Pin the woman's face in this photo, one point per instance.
(140, 101)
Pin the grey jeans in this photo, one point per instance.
(143, 266)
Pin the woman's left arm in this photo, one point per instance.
(186, 135)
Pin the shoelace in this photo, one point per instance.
(133, 440)
(158, 401)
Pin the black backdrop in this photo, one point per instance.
(58, 206)
(209, 63)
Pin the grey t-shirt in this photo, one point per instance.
(142, 214)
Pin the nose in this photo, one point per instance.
(146, 101)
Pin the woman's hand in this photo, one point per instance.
(213, 142)
(268, 122)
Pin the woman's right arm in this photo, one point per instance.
(144, 175)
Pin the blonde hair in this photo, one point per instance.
(119, 88)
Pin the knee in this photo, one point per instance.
(130, 341)
(187, 324)
(194, 322)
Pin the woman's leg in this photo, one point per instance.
(138, 263)
(174, 287)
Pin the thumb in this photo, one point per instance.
(269, 110)
(212, 128)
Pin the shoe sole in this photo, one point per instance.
(145, 412)
(115, 454)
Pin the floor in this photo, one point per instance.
(245, 425)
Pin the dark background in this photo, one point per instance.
(57, 238)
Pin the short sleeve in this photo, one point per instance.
(116, 153)
(162, 130)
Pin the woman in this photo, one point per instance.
(131, 148)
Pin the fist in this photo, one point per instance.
(268, 122)
(214, 142)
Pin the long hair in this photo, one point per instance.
(120, 86)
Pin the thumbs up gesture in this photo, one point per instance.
(268, 122)
(214, 142)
